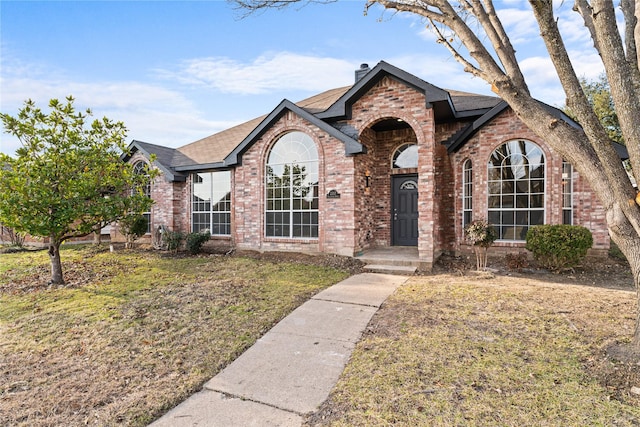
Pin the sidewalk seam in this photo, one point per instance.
(228, 395)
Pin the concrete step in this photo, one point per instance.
(407, 262)
(404, 270)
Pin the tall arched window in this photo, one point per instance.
(140, 168)
(405, 156)
(292, 188)
(516, 186)
(467, 193)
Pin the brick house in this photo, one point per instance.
(389, 161)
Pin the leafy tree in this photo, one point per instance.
(474, 35)
(598, 95)
(67, 179)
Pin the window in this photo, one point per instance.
(516, 185)
(292, 188)
(467, 193)
(405, 156)
(211, 202)
(567, 193)
(140, 168)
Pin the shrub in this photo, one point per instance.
(481, 234)
(559, 246)
(196, 240)
(16, 238)
(517, 261)
(173, 240)
(133, 227)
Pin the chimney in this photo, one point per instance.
(360, 73)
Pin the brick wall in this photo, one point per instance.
(588, 211)
(171, 206)
(336, 224)
(390, 98)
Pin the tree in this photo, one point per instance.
(67, 179)
(599, 97)
(475, 36)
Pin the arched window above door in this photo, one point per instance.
(405, 156)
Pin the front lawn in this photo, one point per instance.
(133, 333)
(451, 350)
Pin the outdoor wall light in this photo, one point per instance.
(367, 175)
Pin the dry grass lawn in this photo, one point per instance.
(452, 350)
(133, 333)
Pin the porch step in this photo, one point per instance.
(404, 270)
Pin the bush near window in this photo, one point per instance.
(133, 227)
(559, 246)
(173, 240)
(196, 240)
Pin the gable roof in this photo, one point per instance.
(434, 96)
(164, 157)
(351, 145)
(224, 149)
(457, 140)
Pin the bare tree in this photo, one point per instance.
(472, 31)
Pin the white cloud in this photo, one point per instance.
(441, 70)
(520, 25)
(151, 112)
(542, 80)
(267, 73)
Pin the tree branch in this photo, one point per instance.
(492, 26)
(631, 14)
(624, 92)
(468, 66)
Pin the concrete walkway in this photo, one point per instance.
(290, 371)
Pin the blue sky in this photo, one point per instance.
(177, 71)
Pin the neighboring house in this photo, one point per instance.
(389, 161)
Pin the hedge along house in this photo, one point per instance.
(389, 161)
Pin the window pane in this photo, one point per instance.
(537, 218)
(522, 201)
(507, 217)
(516, 188)
(211, 202)
(406, 156)
(522, 218)
(292, 187)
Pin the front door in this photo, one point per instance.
(404, 210)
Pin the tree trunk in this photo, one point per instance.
(630, 247)
(97, 237)
(56, 264)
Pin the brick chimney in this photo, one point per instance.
(360, 73)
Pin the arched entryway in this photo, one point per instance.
(388, 214)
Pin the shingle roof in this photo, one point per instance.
(164, 157)
(465, 102)
(211, 151)
(214, 148)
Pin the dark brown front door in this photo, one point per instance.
(404, 210)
